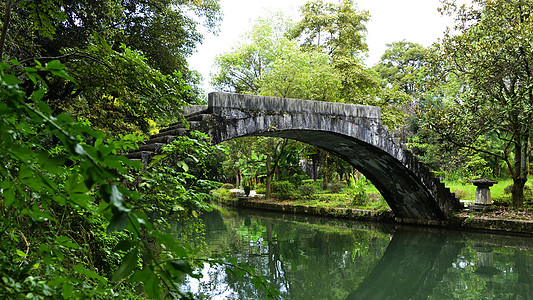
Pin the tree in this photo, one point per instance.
(267, 63)
(489, 51)
(402, 65)
(123, 39)
(338, 30)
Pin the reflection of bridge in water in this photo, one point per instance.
(319, 258)
(412, 261)
(353, 132)
(416, 262)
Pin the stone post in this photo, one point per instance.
(483, 190)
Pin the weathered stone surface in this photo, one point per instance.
(353, 132)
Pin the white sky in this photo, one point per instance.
(391, 20)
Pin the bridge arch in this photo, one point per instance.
(352, 132)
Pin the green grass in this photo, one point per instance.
(468, 191)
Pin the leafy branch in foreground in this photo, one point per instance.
(66, 219)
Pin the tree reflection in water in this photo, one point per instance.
(316, 258)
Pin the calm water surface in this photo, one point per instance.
(316, 258)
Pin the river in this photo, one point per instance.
(308, 257)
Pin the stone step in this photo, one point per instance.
(196, 117)
(173, 132)
(195, 125)
(151, 147)
(171, 127)
(165, 139)
(140, 154)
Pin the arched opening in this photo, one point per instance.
(400, 187)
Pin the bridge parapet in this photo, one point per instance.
(221, 102)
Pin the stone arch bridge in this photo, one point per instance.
(353, 132)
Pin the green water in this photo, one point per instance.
(316, 258)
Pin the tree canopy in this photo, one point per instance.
(125, 39)
(402, 65)
(489, 51)
(268, 63)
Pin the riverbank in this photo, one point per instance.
(464, 220)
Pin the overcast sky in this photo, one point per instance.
(391, 20)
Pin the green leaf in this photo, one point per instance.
(129, 263)
(152, 287)
(182, 265)
(55, 65)
(21, 253)
(66, 242)
(89, 273)
(118, 222)
(56, 281)
(75, 184)
(140, 275)
(9, 197)
(67, 289)
(25, 172)
(125, 245)
(37, 96)
(10, 79)
(183, 165)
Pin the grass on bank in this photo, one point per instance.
(364, 195)
(500, 192)
(360, 196)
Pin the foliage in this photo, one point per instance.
(528, 191)
(306, 190)
(488, 54)
(335, 187)
(70, 229)
(119, 91)
(227, 186)
(402, 65)
(46, 192)
(174, 180)
(360, 196)
(166, 31)
(283, 190)
(268, 63)
(129, 59)
(337, 30)
(247, 189)
(224, 194)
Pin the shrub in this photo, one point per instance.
(336, 187)
(527, 190)
(360, 196)
(297, 179)
(503, 201)
(224, 194)
(283, 190)
(227, 186)
(260, 190)
(306, 190)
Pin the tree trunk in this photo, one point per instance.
(237, 178)
(325, 170)
(520, 171)
(5, 26)
(268, 177)
(314, 159)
